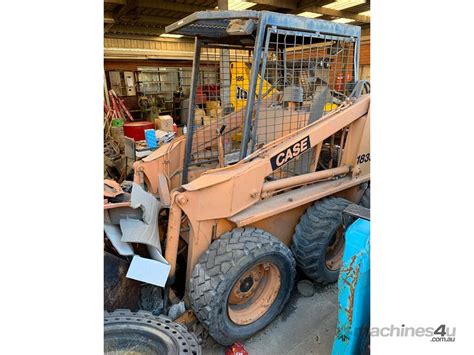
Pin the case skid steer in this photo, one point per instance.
(258, 189)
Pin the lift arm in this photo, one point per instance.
(225, 192)
(241, 185)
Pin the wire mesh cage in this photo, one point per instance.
(278, 75)
(220, 102)
(313, 75)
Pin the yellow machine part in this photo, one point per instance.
(329, 107)
(239, 88)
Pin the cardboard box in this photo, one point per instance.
(165, 123)
(199, 115)
(213, 109)
(216, 112)
(157, 123)
(212, 105)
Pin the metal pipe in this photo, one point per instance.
(355, 73)
(331, 152)
(259, 98)
(304, 179)
(106, 91)
(172, 239)
(207, 161)
(192, 100)
(341, 150)
(220, 148)
(257, 55)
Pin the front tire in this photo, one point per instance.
(241, 283)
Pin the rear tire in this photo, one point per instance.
(365, 200)
(241, 283)
(318, 242)
(142, 332)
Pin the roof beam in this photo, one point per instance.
(171, 6)
(223, 5)
(137, 30)
(107, 27)
(337, 13)
(116, 2)
(109, 18)
(124, 10)
(285, 4)
(154, 20)
(118, 15)
(149, 38)
(305, 3)
(135, 19)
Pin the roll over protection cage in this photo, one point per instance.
(210, 28)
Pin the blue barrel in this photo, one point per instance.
(352, 331)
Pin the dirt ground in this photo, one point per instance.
(307, 325)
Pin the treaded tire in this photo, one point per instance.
(313, 235)
(365, 200)
(137, 332)
(220, 267)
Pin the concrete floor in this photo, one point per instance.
(307, 325)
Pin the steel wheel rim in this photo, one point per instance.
(253, 293)
(119, 341)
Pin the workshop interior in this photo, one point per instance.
(236, 177)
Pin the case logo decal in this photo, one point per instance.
(290, 153)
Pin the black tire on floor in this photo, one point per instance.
(316, 233)
(365, 200)
(142, 332)
(220, 270)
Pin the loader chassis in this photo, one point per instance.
(234, 193)
(295, 142)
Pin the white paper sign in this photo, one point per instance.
(149, 271)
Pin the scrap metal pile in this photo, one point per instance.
(115, 114)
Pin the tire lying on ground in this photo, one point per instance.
(318, 242)
(141, 332)
(241, 283)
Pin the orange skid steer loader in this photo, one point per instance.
(260, 189)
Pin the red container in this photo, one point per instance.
(200, 96)
(236, 349)
(339, 82)
(136, 129)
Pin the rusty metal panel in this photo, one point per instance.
(352, 331)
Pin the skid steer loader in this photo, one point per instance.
(260, 189)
